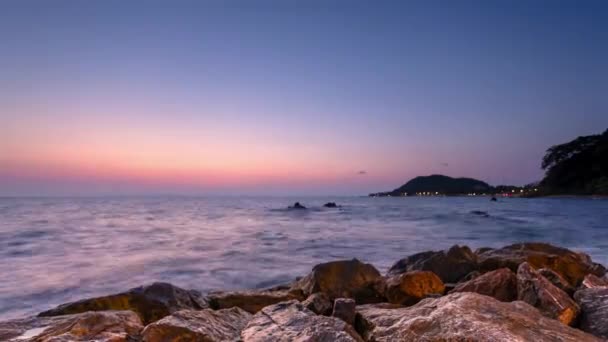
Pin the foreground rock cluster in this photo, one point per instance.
(521, 292)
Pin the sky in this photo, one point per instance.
(291, 97)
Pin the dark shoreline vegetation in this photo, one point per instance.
(526, 291)
(575, 168)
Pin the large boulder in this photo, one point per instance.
(557, 280)
(463, 316)
(500, 284)
(450, 265)
(291, 321)
(594, 310)
(151, 302)
(570, 265)
(539, 292)
(251, 301)
(343, 279)
(201, 325)
(101, 326)
(592, 281)
(409, 288)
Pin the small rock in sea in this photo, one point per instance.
(344, 309)
(343, 278)
(572, 266)
(557, 280)
(291, 321)
(203, 325)
(251, 301)
(480, 213)
(594, 310)
(539, 292)
(493, 199)
(411, 287)
(151, 302)
(462, 317)
(297, 205)
(102, 326)
(318, 303)
(330, 205)
(592, 281)
(500, 284)
(451, 265)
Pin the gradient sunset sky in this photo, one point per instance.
(291, 97)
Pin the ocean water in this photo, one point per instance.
(55, 250)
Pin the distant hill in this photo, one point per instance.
(439, 184)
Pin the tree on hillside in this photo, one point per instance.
(577, 167)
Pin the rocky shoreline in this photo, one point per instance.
(521, 292)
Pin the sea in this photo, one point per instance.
(56, 250)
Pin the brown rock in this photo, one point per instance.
(537, 291)
(592, 281)
(570, 265)
(251, 301)
(594, 310)
(151, 302)
(344, 309)
(409, 288)
(291, 321)
(500, 284)
(202, 325)
(557, 280)
(450, 266)
(343, 279)
(318, 303)
(463, 317)
(101, 326)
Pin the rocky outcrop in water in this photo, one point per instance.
(485, 304)
(151, 302)
(463, 317)
(101, 326)
(500, 284)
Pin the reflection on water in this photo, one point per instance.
(57, 250)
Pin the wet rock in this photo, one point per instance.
(594, 310)
(570, 265)
(291, 321)
(500, 284)
(463, 317)
(480, 213)
(201, 325)
(330, 205)
(592, 281)
(318, 303)
(344, 279)
(101, 326)
(537, 291)
(297, 205)
(251, 301)
(449, 265)
(557, 280)
(344, 309)
(151, 302)
(409, 288)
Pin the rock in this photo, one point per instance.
(330, 205)
(500, 284)
(450, 266)
(557, 280)
(537, 291)
(297, 205)
(151, 302)
(594, 310)
(344, 279)
(202, 325)
(101, 326)
(318, 303)
(470, 276)
(409, 288)
(251, 301)
(291, 321)
(344, 309)
(570, 265)
(592, 281)
(463, 317)
(480, 213)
